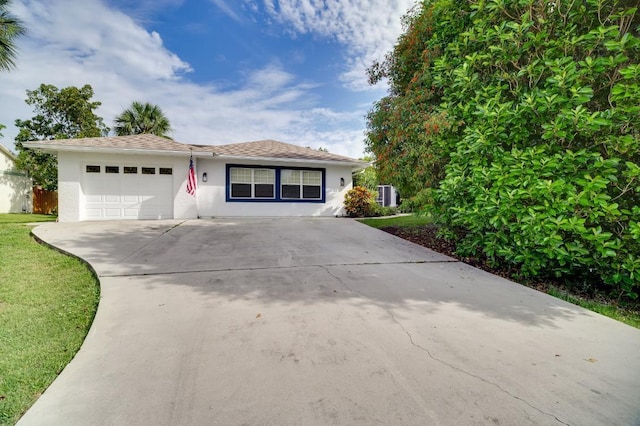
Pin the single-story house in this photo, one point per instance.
(146, 177)
(15, 185)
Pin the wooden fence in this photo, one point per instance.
(44, 202)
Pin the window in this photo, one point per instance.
(290, 183)
(275, 184)
(148, 170)
(93, 169)
(111, 169)
(252, 183)
(301, 184)
(165, 171)
(128, 170)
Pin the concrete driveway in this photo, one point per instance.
(324, 321)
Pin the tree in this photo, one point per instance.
(59, 114)
(10, 29)
(367, 177)
(524, 117)
(142, 118)
(403, 128)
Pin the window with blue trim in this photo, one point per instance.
(300, 184)
(252, 183)
(279, 184)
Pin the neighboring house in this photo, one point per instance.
(145, 177)
(15, 185)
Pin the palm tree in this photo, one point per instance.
(10, 28)
(142, 118)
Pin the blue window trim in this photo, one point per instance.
(323, 188)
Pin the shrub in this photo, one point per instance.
(378, 210)
(549, 214)
(524, 117)
(359, 202)
(419, 202)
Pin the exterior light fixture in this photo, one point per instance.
(341, 181)
(204, 177)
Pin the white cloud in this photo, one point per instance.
(72, 44)
(368, 28)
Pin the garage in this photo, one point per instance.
(127, 191)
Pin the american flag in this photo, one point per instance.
(191, 178)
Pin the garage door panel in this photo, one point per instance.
(112, 213)
(131, 213)
(93, 213)
(127, 196)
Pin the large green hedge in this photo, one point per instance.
(537, 147)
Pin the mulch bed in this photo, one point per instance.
(427, 236)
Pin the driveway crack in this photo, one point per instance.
(196, 271)
(441, 361)
(137, 250)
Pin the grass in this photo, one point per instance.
(606, 308)
(612, 311)
(25, 218)
(47, 303)
(399, 221)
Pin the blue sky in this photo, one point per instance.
(224, 71)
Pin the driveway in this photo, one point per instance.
(324, 321)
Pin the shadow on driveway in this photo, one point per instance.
(324, 321)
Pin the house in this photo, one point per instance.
(15, 185)
(145, 177)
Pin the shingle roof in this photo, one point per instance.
(273, 149)
(137, 142)
(255, 149)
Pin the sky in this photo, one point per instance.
(223, 71)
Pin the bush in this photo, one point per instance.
(418, 203)
(378, 210)
(549, 215)
(359, 202)
(530, 141)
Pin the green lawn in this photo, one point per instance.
(400, 221)
(47, 303)
(607, 308)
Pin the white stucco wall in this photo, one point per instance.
(69, 175)
(15, 187)
(210, 199)
(71, 166)
(212, 194)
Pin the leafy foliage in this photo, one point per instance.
(367, 177)
(407, 130)
(535, 157)
(60, 114)
(359, 202)
(418, 202)
(142, 119)
(10, 29)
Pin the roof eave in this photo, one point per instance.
(353, 164)
(51, 148)
(8, 152)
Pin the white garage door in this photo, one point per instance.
(114, 191)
